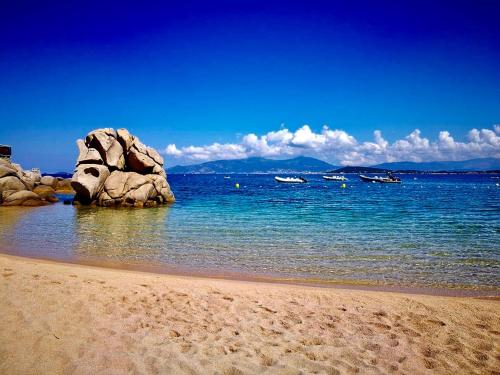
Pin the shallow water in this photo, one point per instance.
(435, 231)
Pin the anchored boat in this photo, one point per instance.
(291, 180)
(390, 179)
(335, 178)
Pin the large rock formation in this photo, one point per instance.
(22, 198)
(16, 186)
(114, 168)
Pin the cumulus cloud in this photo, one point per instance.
(339, 147)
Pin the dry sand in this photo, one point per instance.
(62, 318)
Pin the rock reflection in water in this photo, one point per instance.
(121, 234)
(9, 218)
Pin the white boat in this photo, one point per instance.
(291, 180)
(383, 180)
(335, 178)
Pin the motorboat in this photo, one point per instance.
(390, 179)
(335, 178)
(290, 180)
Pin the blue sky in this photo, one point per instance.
(196, 74)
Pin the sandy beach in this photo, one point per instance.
(72, 319)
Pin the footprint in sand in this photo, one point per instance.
(436, 322)
(429, 364)
(267, 309)
(410, 332)
(381, 326)
(486, 346)
(266, 360)
(480, 356)
(373, 347)
(232, 371)
(173, 333)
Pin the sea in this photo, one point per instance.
(431, 231)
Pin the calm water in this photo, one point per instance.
(433, 231)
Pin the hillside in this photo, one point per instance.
(303, 164)
(255, 165)
(353, 169)
(484, 164)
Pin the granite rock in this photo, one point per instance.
(126, 172)
(23, 198)
(88, 181)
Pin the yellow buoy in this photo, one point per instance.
(237, 186)
(344, 186)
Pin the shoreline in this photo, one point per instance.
(72, 318)
(186, 271)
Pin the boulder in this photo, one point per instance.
(23, 198)
(64, 186)
(127, 189)
(163, 192)
(106, 143)
(14, 180)
(7, 170)
(138, 197)
(18, 168)
(153, 154)
(28, 182)
(159, 170)
(33, 176)
(6, 193)
(11, 183)
(138, 159)
(115, 184)
(125, 172)
(87, 155)
(88, 181)
(119, 183)
(126, 139)
(46, 192)
(48, 181)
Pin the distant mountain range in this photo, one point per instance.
(361, 170)
(484, 164)
(59, 174)
(300, 164)
(303, 164)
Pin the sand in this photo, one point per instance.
(70, 319)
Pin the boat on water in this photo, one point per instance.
(335, 178)
(290, 180)
(389, 179)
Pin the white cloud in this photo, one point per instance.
(339, 147)
(173, 150)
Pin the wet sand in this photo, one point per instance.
(66, 318)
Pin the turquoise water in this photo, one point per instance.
(435, 231)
